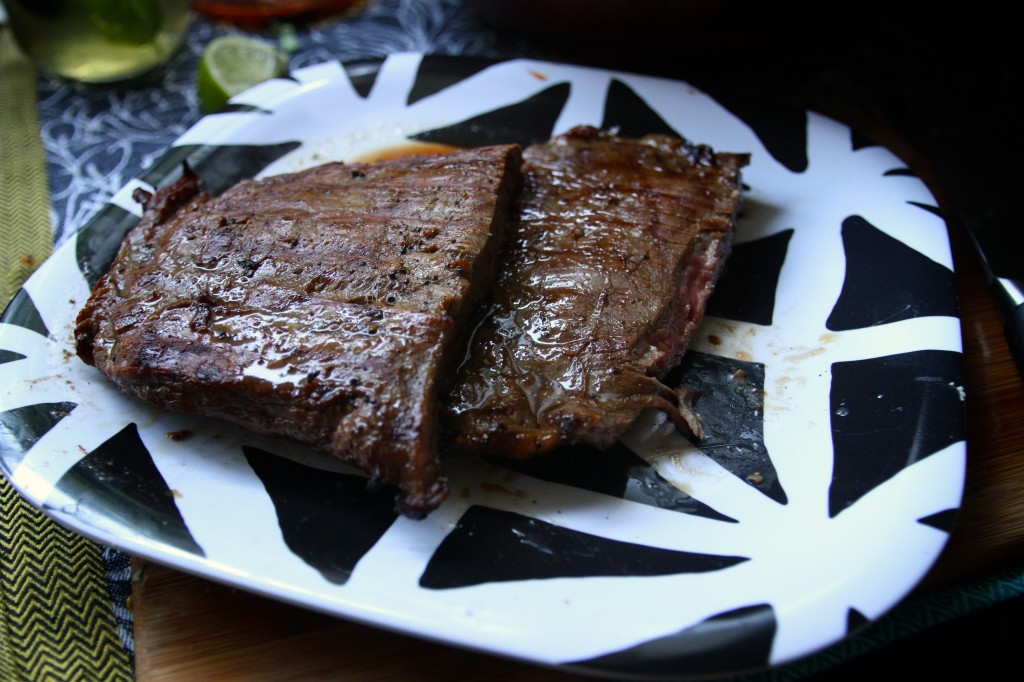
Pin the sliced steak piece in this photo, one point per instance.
(325, 305)
(616, 247)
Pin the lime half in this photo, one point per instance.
(232, 64)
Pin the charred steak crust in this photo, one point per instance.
(616, 245)
(324, 305)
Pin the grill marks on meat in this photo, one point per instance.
(326, 306)
(615, 249)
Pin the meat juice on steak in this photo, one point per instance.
(615, 246)
(326, 306)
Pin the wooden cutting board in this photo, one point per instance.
(187, 628)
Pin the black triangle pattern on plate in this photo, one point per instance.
(329, 520)
(438, 72)
(858, 140)
(362, 74)
(241, 109)
(120, 478)
(934, 210)
(888, 413)
(735, 640)
(527, 122)
(628, 112)
(219, 167)
(9, 356)
(781, 128)
(943, 520)
(855, 620)
(22, 427)
(489, 545)
(22, 312)
(887, 281)
(730, 401)
(899, 172)
(746, 288)
(616, 472)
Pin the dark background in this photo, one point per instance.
(938, 83)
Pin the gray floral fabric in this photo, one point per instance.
(97, 138)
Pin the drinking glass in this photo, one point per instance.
(98, 41)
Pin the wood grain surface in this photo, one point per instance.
(189, 628)
(990, 525)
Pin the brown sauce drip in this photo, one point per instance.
(410, 148)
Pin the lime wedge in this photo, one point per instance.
(234, 63)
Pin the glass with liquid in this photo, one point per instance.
(98, 41)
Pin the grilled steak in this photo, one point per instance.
(325, 305)
(616, 246)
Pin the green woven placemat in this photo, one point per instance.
(56, 615)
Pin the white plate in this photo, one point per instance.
(829, 368)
